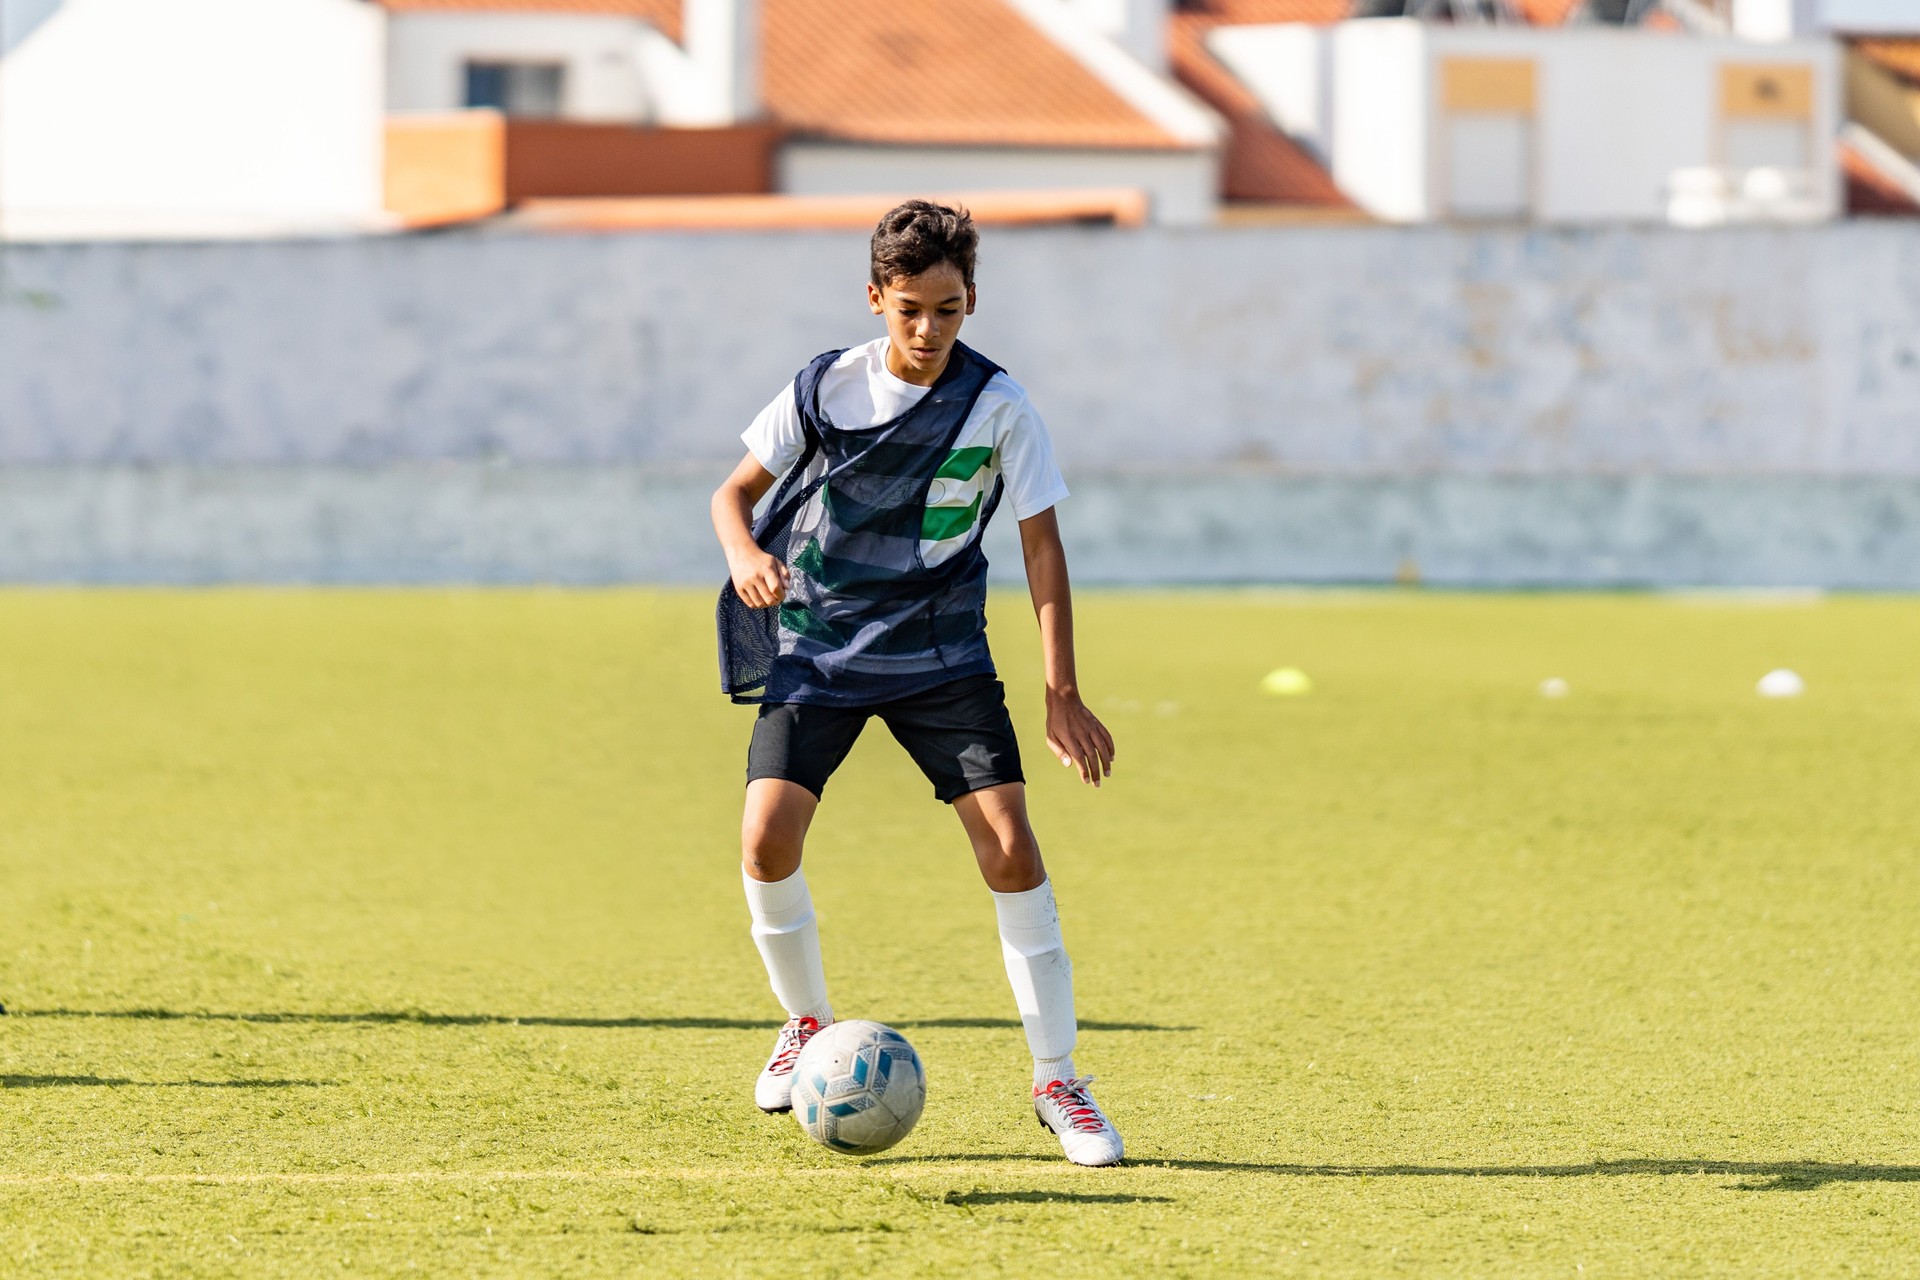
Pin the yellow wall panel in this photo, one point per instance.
(1487, 84)
(1766, 91)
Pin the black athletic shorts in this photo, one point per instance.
(959, 734)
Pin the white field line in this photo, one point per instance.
(366, 1178)
(413, 1175)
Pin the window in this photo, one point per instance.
(517, 88)
(1486, 137)
(1766, 116)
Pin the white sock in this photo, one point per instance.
(789, 943)
(1042, 978)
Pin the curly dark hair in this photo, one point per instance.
(920, 235)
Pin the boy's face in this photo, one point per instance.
(923, 315)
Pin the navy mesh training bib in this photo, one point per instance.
(866, 619)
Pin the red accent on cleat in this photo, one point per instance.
(1075, 1103)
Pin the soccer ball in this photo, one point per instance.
(858, 1087)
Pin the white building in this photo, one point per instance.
(189, 117)
(653, 62)
(1797, 19)
(963, 95)
(1561, 125)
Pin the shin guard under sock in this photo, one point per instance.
(1041, 976)
(789, 943)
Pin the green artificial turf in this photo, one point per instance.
(353, 933)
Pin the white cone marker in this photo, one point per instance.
(1287, 682)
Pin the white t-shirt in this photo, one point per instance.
(1003, 438)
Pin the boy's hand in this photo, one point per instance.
(1077, 738)
(760, 580)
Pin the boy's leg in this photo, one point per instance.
(1030, 939)
(795, 749)
(772, 834)
(962, 738)
(1038, 968)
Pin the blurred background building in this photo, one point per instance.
(242, 116)
(1503, 290)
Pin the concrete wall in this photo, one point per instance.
(127, 117)
(1303, 404)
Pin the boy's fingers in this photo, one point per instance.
(1086, 755)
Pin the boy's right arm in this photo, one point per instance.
(760, 579)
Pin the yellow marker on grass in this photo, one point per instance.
(1286, 682)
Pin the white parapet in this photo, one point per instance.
(1709, 197)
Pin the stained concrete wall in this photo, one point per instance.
(1633, 405)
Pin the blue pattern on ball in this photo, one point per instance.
(858, 1087)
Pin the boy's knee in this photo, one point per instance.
(1011, 864)
(774, 829)
(770, 844)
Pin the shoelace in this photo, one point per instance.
(793, 1038)
(1082, 1115)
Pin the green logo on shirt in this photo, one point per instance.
(958, 507)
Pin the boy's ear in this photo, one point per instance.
(877, 303)
(969, 299)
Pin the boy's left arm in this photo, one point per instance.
(1074, 734)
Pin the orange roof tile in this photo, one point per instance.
(1547, 13)
(951, 73)
(1254, 13)
(1120, 206)
(1260, 162)
(1871, 192)
(1902, 57)
(664, 15)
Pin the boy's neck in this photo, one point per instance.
(907, 373)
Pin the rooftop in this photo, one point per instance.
(1260, 162)
(953, 73)
(1256, 13)
(1901, 57)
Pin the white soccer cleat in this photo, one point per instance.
(773, 1091)
(1085, 1133)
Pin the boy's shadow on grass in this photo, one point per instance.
(421, 1018)
(1770, 1175)
(116, 1082)
(970, 1199)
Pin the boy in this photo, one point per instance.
(868, 589)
